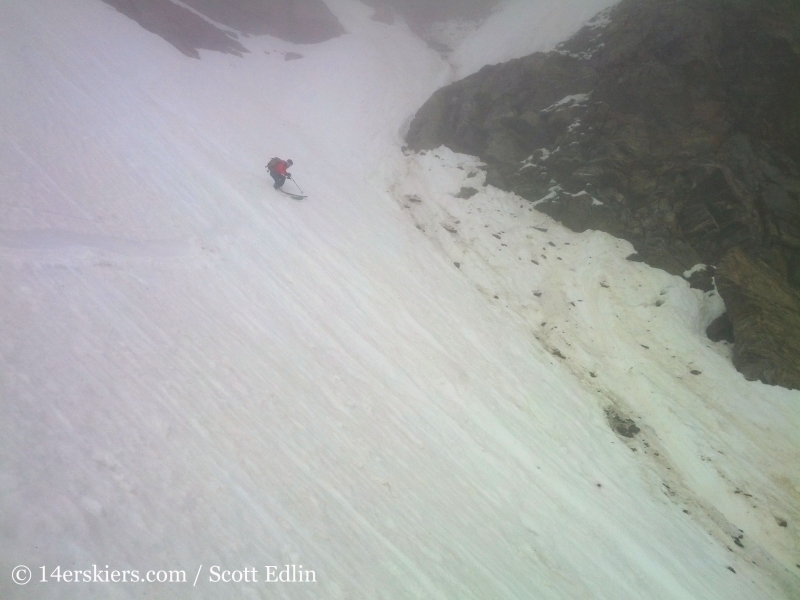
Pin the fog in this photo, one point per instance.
(422, 12)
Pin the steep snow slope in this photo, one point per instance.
(199, 371)
(721, 448)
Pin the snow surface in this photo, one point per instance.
(199, 371)
(574, 99)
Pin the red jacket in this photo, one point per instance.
(280, 168)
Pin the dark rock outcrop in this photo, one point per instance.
(721, 329)
(765, 311)
(299, 21)
(182, 28)
(673, 124)
(702, 279)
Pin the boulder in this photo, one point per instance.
(721, 329)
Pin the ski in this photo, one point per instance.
(292, 194)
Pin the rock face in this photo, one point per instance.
(674, 124)
(765, 311)
(299, 21)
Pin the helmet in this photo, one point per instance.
(289, 162)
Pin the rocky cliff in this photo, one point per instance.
(674, 124)
(192, 29)
(765, 312)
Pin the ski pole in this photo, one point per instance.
(298, 187)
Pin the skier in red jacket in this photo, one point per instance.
(277, 169)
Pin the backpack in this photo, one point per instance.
(273, 163)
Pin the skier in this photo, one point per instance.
(277, 169)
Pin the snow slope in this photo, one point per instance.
(198, 371)
(721, 448)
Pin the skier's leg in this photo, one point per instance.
(279, 180)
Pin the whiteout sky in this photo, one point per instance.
(198, 371)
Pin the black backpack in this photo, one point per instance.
(273, 163)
